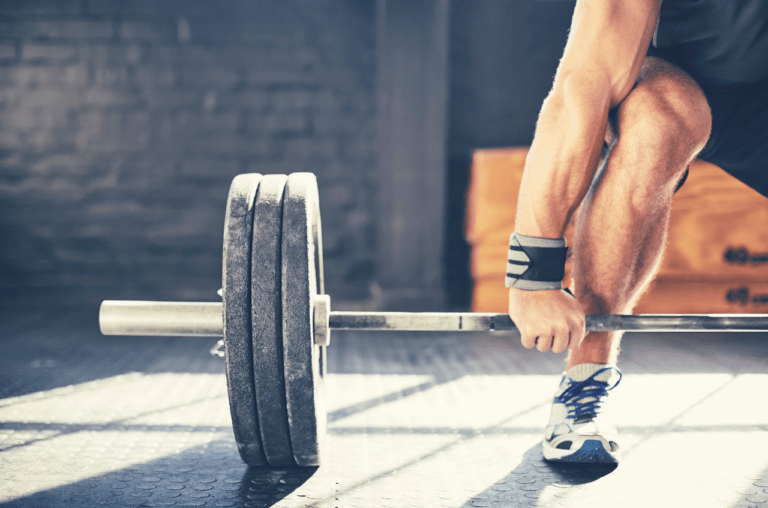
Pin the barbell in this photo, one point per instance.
(276, 320)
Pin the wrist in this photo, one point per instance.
(535, 263)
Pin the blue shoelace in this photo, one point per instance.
(589, 388)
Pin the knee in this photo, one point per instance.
(661, 126)
(667, 121)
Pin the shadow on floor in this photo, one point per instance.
(207, 475)
(525, 484)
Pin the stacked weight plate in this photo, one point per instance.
(236, 295)
(304, 362)
(272, 271)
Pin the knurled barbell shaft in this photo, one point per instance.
(477, 321)
(118, 317)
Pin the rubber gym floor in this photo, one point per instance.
(421, 420)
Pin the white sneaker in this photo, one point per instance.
(577, 429)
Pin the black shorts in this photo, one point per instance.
(739, 139)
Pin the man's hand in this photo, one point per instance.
(547, 319)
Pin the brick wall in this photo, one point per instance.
(122, 123)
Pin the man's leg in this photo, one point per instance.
(658, 129)
(620, 234)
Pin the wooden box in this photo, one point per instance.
(716, 259)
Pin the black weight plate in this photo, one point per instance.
(236, 295)
(301, 278)
(266, 323)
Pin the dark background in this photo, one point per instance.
(122, 124)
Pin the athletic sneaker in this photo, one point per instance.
(577, 429)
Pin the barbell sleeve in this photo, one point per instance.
(192, 319)
(198, 319)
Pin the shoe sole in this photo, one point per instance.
(591, 451)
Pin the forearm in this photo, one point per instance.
(564, 154)
(606, 47)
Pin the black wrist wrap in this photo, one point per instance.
(535, 264)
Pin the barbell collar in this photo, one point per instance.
(120, 317)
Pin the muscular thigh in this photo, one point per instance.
(738, 141)
(662, 91)
(668, 118)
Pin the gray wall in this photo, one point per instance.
(122, 124)
(412, 99)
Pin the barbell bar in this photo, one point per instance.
(196, 319)
(275, 319)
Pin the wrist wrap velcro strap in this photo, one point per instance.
(534, 263)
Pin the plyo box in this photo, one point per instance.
(716, 260)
